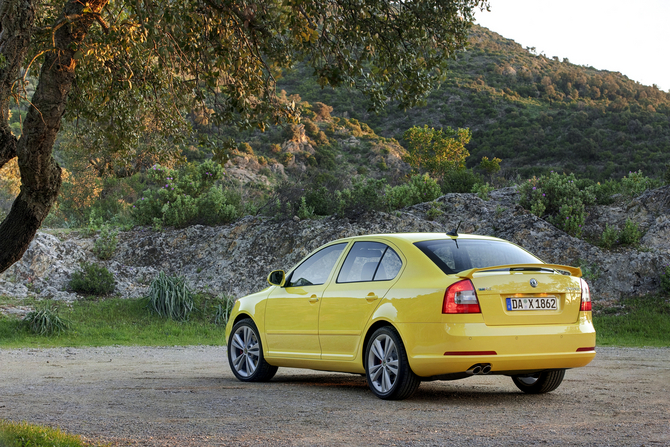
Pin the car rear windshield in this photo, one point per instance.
(454, 255)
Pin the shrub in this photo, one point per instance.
(45, 321)
(305, 211)
(419, 189)
(92, 280)
(105, 244)
(630, 234)
(170, 297)
(434, 212)
(459, 180)
(275, 148)
(218, 206)
(246, 148)
(310, 128)
(490, 166)
(609, 237)
(483, 190)
(322, 111)
(605, 190)
(558, 199)
(635, 184)
(363, 196)
(181, 197)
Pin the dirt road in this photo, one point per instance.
(188, 397)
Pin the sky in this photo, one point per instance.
(630, 36)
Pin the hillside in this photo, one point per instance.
(235, 258)
(536, 113)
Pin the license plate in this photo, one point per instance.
(544, 303)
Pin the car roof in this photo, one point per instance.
(417, 237)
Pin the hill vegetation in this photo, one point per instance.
(503, 102)
(534, 112)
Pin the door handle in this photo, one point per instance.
(371, 296)
(313, 299)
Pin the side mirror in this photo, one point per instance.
(277, 278)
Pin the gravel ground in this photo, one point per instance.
(187, 396)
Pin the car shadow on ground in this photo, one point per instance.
(354, 384)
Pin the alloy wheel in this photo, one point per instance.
(383, 363)
(245, 351)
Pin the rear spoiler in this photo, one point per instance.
(574, 271)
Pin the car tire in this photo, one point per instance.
(538, 383)
(245, 354)
(387, 369)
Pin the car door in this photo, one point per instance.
(292, 312)
(367, 273)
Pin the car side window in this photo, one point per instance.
(389, 267)
(363, 263)
(315, 270)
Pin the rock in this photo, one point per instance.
(235, 259)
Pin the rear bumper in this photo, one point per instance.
(506, 348)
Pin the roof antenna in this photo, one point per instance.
(455, 232)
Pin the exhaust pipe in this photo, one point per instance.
(475, 369)
(479, 369)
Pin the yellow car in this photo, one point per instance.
(406, 308)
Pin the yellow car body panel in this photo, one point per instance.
(329, 332)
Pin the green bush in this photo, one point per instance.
(305, 211)
(630, 234)
(170, 297)
(45, 321)
(419, 189)
(559, 200)
(434, 212)
(635, 184)
(320, 200)
(364, 195)
(483, 190)
(184, 197)
(92, 280)
(219, 205)
(459, 180)
(605, 190)
(105, 244)
(609, 237)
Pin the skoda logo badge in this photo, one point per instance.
(533, 282)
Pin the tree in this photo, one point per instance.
(436, 151)
(103, 61)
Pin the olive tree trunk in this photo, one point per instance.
(40, 174)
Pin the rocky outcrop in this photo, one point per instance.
(235, 259)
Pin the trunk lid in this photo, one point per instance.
(519, 295)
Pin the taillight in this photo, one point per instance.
(586, 296)
(460, 298)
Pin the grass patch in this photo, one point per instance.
(127, 322)
(636, 322)
(22, 434)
